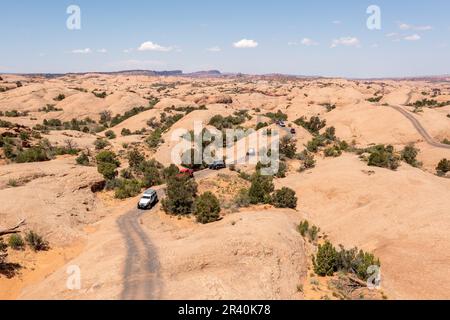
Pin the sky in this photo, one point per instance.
(312, 38)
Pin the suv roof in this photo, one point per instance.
(149, 192)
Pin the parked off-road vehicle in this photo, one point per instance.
(148, 200)
(217, 165)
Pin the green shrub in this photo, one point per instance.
(325, 262)
(409, 155)
(151, 176)
(284, 198)
(261, 125)
(306, 231)
(278, 116)
(383, 157)
(16, 242)
(181, 191)
(170, 172)
(333, 151)
(288, 147)
(60, 97)
(303, 228)
(107, 163)
(308, 161)
(375, 99)
(443, 167)
(155, 139)
(101, 144)
(125, 132)
(36, 242)
(34, 154)
(243, 198)
(207, 208)
(314, 125)
(260, 189)
(135, 158)
(110, 134)
(83, 159)
(127, 188)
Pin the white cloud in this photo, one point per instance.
(102, 51)
(245, 44)
(405, 26)
(336, 22)
(150, 46)
(128, 50)
(214, 49)
(414, 37)
(346, 41)
(392, 34)
(82, 51)
(309, 42)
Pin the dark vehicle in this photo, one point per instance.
(217, 165)
(148, 200)
(293, 131)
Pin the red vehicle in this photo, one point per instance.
(186, 172)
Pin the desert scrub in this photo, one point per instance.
(284, 198)
(36, 242)
(207, 208)
(314, 125)
(13, 183)
(260, 189)
(16, 242)
(83, 159)
(107, 164)
(443, 167)
(127, 188)
(328, 260)
(383, 157)
(409, 155)
(180, 198)
(307, 231)
(110, 134)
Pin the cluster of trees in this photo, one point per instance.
(13, 114)
(85, 125)
(229, 122)
(277, 116)
(182, 199)
(314, 125)
(43, 151)
(430, 103)
(49, 108)
(329, 260)
(375, 99)
(262, 191)
(383, 156)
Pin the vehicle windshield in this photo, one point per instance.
(146, 196)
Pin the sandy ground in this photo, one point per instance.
(402, 216)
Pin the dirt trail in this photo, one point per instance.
(141, 272)
(417, 125)
(141, 264)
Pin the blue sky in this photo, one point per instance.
(265, 36)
